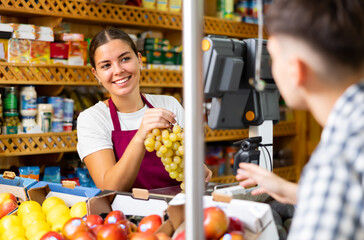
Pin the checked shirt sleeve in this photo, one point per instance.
(331, 189)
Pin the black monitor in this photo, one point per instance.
(229, 64)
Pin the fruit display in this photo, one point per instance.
(54, 220)
(169, 146)
(8, 203)
(218, 225)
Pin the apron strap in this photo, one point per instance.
(146, 101)
(114, 114)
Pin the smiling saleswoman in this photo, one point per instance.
(111, 133)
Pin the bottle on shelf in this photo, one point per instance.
(28, 101)
(28, 123)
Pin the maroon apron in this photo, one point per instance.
(152, 173)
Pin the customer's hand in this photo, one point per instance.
(251, 174)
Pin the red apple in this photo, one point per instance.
(111, 231)
(96, 229)
(114, 216)
(235, 224)
(84, 236)
(7, 206)
(215, 222)
(143, 236)
(93, 220)
(234, 235)
(125, 225)
(181, 236)
(4, 196)
(150, 224)
(52, 235)
(74, 226)
(162, 236)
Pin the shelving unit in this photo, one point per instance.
(116, 14)
(82, 11)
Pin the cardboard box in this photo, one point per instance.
(18, 186)
(138, 203)
(42, 190)
(257, 217)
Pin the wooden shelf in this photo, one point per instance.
(116, 14)
(45, 74)
(29, 144)
(281, 129)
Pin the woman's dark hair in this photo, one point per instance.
(106, 36)
(333, 28)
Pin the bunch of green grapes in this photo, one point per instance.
(169, 146)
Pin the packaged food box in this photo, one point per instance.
(70, 193)
(49, 37)
(6, 31)
(59, 61)
(24, 35)
(6, 27)
(170, 58)
(23, 27)
(77, 53)
(40, 52)
(43, 30)
(175, 6)
(19, 50)
(162, 5)
(154, 56)
(149, 4)
(4, 49)
(70, 37)
(9, 183)
(59, 50)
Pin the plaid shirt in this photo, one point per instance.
(331, 189)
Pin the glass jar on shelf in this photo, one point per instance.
(11, 123)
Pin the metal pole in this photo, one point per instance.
(194, 126)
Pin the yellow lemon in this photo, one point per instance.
(9, 221)
(28, 207)
(13, 232)
(38, 235)
(32, 217)
(56, 212)
(58, 225)
(78, 210)
(37, 227)
(50, 202)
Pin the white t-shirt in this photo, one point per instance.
(94, 125)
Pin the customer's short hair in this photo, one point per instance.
(333, 28)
